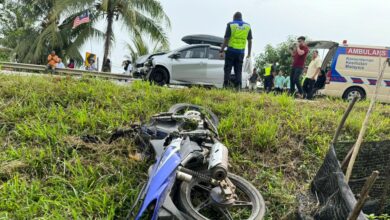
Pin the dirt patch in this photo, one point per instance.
(94, 145)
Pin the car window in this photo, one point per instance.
(214, 54)
(193, 53)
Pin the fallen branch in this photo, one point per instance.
(363, 196)
(345, 116)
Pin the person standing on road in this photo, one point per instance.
(312, 74)
(127, 67)
(107, 66)
(268, 78)
(237, 34)
(279, 83)
(92, 66)
(71, 64)
(253, 80)
(299, 54)
(286, 84)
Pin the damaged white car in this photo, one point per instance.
(198, 63)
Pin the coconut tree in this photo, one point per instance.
(33, 29)
(137, 16)
(139, 47)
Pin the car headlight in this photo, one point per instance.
(149, 63)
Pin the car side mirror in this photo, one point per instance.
(176, 55)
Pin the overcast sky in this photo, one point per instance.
(358, 21)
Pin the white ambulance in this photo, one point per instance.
(353, 70)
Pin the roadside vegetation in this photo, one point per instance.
(47, 171)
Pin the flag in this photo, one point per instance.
(82, 19)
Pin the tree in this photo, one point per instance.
(4, 54)
(139, 48)
(280, 54)
(15, 21)
(31, 29)
(138, 16)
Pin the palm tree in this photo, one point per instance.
(138, 16)
(33, 30)
(139, 48)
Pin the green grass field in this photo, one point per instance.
(47, 172)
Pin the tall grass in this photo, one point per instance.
(47, 172)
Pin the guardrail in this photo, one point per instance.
(72, 72)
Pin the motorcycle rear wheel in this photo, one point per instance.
(190, 194)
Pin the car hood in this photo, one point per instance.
(145, 58)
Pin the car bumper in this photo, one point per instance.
(142, 73)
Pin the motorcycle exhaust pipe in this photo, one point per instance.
(218, 162)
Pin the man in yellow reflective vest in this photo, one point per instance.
(268, 77)
(238, 33)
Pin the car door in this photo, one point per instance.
(190, 66)
(215, 64)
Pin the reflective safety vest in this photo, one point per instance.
(239, 35)
(268, 69)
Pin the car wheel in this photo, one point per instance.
(352, 92)
(159, 76)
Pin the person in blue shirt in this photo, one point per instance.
(286, 82)
(60, 64)
(279, 83)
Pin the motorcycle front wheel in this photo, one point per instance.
(180, 107)
(194, 199)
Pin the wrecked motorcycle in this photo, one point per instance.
(190, 177)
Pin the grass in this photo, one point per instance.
(46, 172)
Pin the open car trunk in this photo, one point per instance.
(324, 45)
(330, 48)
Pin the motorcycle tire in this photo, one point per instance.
(184, 106)
(258, 204)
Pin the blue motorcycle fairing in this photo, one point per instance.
(161, 179)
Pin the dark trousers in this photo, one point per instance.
(268, 82)
(295, 80)
(233, 60)
(278, 90)
(320, 83)
(50, 69)
(308, 88)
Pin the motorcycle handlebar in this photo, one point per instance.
(169, 117)
(173, 117)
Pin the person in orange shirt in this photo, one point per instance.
(53, 60)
